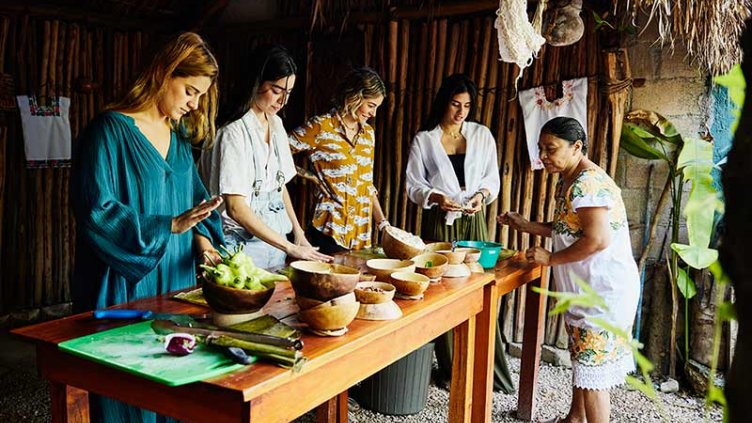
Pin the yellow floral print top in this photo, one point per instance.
(345, 169)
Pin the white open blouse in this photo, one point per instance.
(429, 169)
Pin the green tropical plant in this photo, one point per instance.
(649, 135)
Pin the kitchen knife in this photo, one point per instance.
(168, 326)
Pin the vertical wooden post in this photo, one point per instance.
(460, 392)
(485, 335)
(334, 410)
(68, 404)
(532, 338)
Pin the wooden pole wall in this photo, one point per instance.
(49, 58)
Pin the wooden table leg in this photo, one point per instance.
(68, 404)
(460, 392)
(485, 333)
(334, 410)
(532, 338)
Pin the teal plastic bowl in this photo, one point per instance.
(489, 251)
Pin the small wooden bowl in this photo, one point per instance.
(382, 268)
(455, 257)
(410, 283)
(472, 256)
(224, 299)
(366, 296)
(436, 246)
(432, 265)
(330, 317)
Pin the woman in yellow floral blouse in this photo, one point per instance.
(591, 245)
(340, 147)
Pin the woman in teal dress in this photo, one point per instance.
(143, 215)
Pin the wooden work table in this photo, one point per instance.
(267, 393)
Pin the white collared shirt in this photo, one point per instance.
(228, 168)
(429, 169)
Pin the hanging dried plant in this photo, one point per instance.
(710, 29)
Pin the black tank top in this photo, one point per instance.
(458, 163)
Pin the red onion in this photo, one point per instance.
(180, 343)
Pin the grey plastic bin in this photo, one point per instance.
(401, 388)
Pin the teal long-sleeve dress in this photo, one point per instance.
(124, 196)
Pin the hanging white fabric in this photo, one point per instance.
(537, 110)
(46, 130)
(519, 40)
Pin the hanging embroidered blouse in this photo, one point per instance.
(537, 110)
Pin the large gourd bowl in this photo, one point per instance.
(396, 248)
(228, 300)
(322, 281)
(489, 251)
(329, 316)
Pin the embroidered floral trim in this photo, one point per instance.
(52, 110)
(567, 96)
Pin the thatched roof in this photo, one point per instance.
(710, 29)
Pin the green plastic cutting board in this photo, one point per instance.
(138, 350)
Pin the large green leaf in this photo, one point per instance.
(700, 210)
(637, 146)
(696, 152)
(655, 124)
(697, 257)
(685, 284)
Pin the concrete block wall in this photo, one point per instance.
(676, 89)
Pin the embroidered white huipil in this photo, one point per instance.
(537, 110)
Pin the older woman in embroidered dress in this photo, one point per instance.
(340, 146)
(590, 244)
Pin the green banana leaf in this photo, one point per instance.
(697, 257)
(637, 146)
(654, 124)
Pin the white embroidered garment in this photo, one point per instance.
(537, 110)
(600, 360)
(47, 133)
(230, 167)
(429, 169)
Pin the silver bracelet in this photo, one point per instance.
(383, 224)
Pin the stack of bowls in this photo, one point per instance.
(324, 293)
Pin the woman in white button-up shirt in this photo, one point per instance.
(452, 172)
(251, 163)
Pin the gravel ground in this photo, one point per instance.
(24, 397)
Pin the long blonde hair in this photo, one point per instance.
(358, 85)
(186, 55)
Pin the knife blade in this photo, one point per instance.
(132, 314)
(168, 326)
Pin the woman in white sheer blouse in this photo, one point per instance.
(453, 173)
